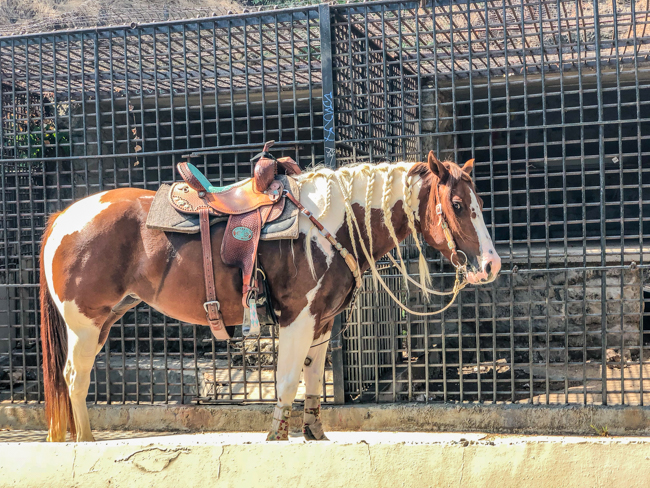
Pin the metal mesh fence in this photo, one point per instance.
(88, 111)
(550, 97)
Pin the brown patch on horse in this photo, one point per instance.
(446, 176)
(338, 284)
(173, 281)
(92, 267)
(288, 269)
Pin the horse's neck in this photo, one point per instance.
(389, 196)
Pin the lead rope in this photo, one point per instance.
(459, 283)
(418, 285)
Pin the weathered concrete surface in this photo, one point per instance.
(513, 419)
(351, 460)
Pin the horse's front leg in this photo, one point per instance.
(312, 427)
(295, 340)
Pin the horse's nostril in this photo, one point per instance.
(488, 268)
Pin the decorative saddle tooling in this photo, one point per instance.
(248, 205)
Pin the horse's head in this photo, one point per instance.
(450, 210)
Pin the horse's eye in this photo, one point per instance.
(457, 206)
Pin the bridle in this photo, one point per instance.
(461, 267)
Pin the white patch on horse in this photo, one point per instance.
(313, 374)
(313, 195)
(83, 346)
(295, 340)
(73, 219)
(82, 328)
(415, 195)
(486, 247)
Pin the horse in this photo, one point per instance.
(98, 260)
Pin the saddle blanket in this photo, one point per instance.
(162, 216)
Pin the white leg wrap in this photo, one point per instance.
(312, 427)
(280, 425)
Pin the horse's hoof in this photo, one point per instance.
(310, 435)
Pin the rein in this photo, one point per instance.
(461, 267)
(459, 284)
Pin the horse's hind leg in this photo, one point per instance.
(83, 346)
(85, 340)
(312, 427)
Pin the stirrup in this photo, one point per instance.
(251, 324)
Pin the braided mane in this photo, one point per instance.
(344, 177)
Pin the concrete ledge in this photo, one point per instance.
(508, 419)
(351, 460)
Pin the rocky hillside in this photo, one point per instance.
(17, 16)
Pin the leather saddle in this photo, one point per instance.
(249, 205)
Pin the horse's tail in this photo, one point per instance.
(54, 344)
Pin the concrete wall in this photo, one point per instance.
(502, 418)
(352, 460)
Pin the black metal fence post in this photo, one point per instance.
(329, 136)
(98, 116)
(602, 196)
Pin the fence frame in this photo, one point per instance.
(385, 93)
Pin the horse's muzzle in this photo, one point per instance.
(488, 272)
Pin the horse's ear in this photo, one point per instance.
(436, 167)
(468, 167)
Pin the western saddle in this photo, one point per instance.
(249, 205)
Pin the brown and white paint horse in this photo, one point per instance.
(98, 260)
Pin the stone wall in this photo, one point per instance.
(550, 304)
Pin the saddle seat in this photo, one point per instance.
(203, 182)
(191, 196)
(241, 197)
